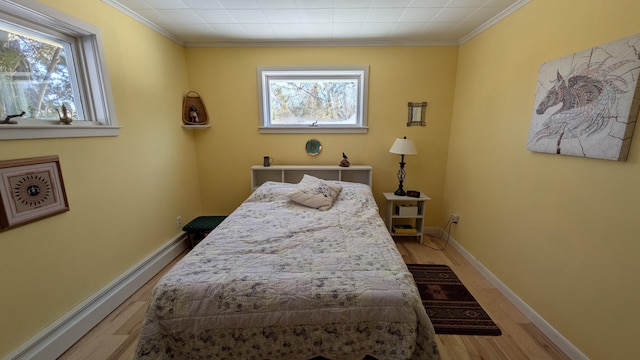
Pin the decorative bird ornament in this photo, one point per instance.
(345, 161)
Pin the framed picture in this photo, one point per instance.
(586, 103)
(30, 189)
(416, 114)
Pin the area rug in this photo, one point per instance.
(450, 306)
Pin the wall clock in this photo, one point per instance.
(313, 147)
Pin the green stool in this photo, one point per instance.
(199, 227)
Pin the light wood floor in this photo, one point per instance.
(116, 336)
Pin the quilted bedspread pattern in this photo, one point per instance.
(277, 280)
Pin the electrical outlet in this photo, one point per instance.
(455, 218)
(179, 221)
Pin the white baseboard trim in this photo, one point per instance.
(565, 345)
(56, 338)
(432, 231)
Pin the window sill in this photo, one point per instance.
(48, 131)
(314, 130)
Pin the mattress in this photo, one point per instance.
(279, 280)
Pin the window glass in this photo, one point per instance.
(313, 99)
(35, 76)
(51, 73)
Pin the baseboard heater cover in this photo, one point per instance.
(58, 337)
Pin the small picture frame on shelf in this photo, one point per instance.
(30, 189)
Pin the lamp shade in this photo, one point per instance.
(403, 147)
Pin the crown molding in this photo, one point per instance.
(494, 20)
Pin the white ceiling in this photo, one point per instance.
(317, 22)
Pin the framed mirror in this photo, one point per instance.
(416, 114)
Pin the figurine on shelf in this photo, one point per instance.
(8, 120)
(345, 161)
(65, 118)
(193, 114)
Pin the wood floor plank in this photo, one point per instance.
(452, 348)
(543, 342)
(116, 337)
(103, 347)
(487, 348)
(124, 324)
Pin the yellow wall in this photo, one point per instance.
(561, 232)
(124, 192)
(226, 79)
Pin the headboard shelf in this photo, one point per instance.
(294, 173)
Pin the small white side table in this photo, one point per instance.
(392, 214)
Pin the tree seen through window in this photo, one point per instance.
(313, 101)
(34, 76)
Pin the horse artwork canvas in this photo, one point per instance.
(586, 104)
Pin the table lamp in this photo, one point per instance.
(403, 147)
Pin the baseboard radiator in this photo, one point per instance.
(56, 338)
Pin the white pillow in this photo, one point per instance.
(315, 193)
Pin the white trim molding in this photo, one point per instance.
(565, 345)
(20, 132)
(55, 339)
(58, 337)
(143, 21)
(356, 76)
(93, 84)
(506, 12)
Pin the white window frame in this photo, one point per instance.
(361, 73)
(87, 52)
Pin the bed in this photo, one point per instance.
(282, 280)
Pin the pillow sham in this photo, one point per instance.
(315, 193)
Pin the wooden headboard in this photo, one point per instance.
(294, 173)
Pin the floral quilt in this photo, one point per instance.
(279, 280)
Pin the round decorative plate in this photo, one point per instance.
(313, 147)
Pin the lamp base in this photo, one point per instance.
(401, 175)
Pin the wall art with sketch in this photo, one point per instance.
(586, 104)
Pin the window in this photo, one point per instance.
(313, 99)
(49, 60)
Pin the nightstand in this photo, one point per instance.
(407, 211)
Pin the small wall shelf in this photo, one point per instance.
(196, 126)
